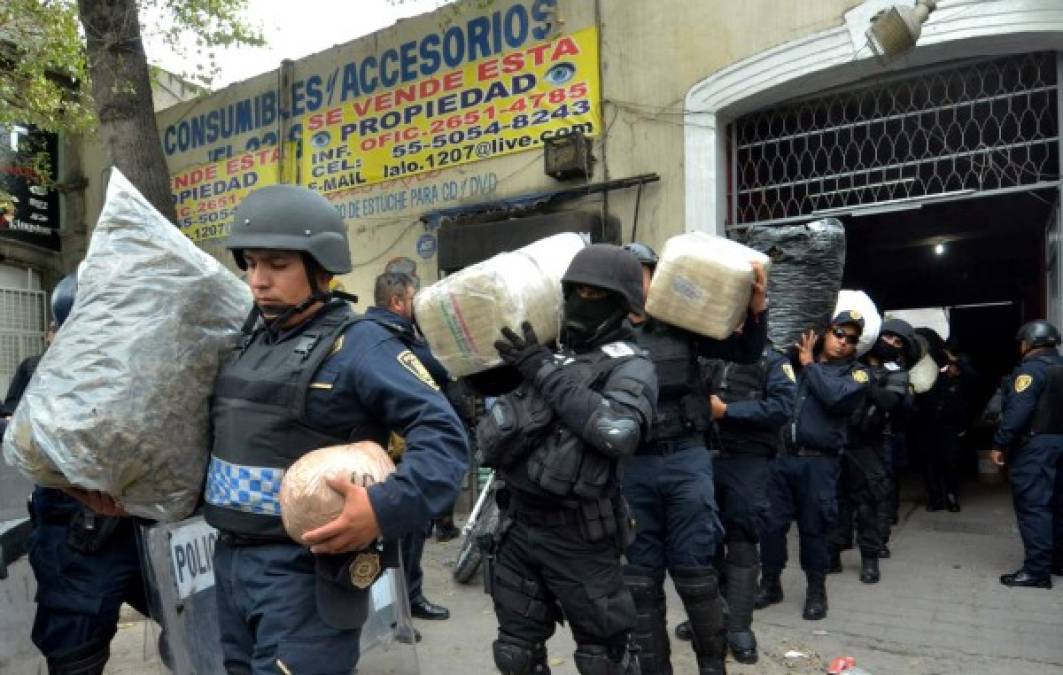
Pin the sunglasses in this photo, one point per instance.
(848, 338)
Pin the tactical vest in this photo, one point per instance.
(260, 428)
(871, 423)
(1048, 418)
(682, 399)
(561, 466)
(734, 382)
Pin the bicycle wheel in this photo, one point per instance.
(470, 556)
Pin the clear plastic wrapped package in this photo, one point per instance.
(703, 283)
(462, 315)
(806, 274)
(860, 302)
(119, 402)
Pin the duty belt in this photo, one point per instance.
(236, 539)
(806, 451)
(670, 446)
(562, 517)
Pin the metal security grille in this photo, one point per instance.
(22, 326)
(987, 126)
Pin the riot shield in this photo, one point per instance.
(179, 570)
(18, 656)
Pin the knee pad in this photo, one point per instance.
(699, 590)
(86, 660)
(651, 625)
(514, 656)
(742, 553)
(597, 660)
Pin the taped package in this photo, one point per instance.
(462, 315)
(806, 275)
(703, 284)
(864, 306)
(120, 401)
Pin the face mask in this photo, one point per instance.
(586, 320)
(886, 351)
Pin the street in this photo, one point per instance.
(938, 610)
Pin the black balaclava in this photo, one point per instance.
(587, 321)
(886, 352)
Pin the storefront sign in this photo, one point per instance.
(206, 196)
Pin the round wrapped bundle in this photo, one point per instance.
(925, 372)
(307, 501)
(858, 301)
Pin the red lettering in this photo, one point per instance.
(488, 70)
(566, 46)
(513, 63)
(538, 53)
(452, 81)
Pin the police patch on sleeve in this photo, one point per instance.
(789, 370)
(861, 376)
(1022, 383)
(413, 364)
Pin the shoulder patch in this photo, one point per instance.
(1022, 383)
(860, 376)
(618, 350)
(336, 346)
(789, 370)
(413, 364)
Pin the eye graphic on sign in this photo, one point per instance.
(560, 73)
(321, 139)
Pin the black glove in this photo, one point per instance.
(526, 354)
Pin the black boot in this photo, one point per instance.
(700, 592)
(815, 597)
(884, 552)
(952, 503)
(651, 630)
(742, 570)
(683, 632)
(835, 561)
(869, 573)
(597, 660)
(770, 591)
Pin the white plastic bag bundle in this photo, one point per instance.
(703, 283)
(119, 402)
(858, 301)
(307, 501)
(462, 315)
(924, 374)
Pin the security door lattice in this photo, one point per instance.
(22, 324)
(978, 127)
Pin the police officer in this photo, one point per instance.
(85, 559)
(669, 484)
(865, 486)
(309, 374)
(830, 387)
(556, 442)
(1030, 435)
(750, 405)
(393, 294)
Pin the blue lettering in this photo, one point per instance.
(478, 28)
(368, 83)
(269, 108)
(198, 132)
(389, 76)
(516, 35)
(453, 46)
(429, 54)
(243, 116)
(297, 98)
(212, 126)
(182, 136)
(408, 50)
(167, 140)
(313, 93)
(226, 123)
(447, 104)
(541, 11)
(496, 32)
(350, 82)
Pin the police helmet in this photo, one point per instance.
(1039, 333)
(611, 268)
(291, 218)
(63, 298)
(643, 253)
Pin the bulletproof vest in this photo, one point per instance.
(1048, 418)
(561, 466)
(734, 382)
(682, 399)
(870, 422)
(260, 428)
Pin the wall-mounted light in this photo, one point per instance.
(894, 31)
(939, 249)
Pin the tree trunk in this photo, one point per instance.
(121, 91)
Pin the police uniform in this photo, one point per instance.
(804, 478)
(334, 378)
(669, 484)
(556, 442)
(759, 398)
(1031, 431)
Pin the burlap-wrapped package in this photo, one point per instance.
(864, 306)
(703, 283)
(307, 501)
(462, 315)
(120, 401)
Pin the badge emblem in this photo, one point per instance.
(413, 364)
(855, 315)
(1022, 383)
(861, 376)
(364, 570)
(789, 370)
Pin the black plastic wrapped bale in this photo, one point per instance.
(806, 274)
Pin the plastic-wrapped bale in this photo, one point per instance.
(703, 284)
(859, 302)
(307, 501)
(120, 401)
(462, 315)
(806, 275)
(925, 372)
